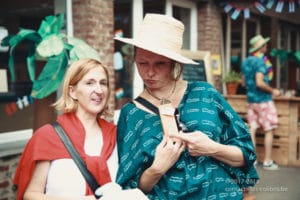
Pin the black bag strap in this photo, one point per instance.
(147, 104)
(90, 179)
(154, 109)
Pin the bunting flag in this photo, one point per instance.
(235, 9)
(14, 106)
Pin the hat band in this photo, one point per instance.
(259, 43)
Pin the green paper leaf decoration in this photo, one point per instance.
(281, 54)
(11, 64)
(81, 50)
(31, 62)
(20, 36)
(5, 41)
(50, 46)
(297, 57)
(51, 76)
(51, 25)
(23, 34)
(286, 56)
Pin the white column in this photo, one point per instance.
(137, 18)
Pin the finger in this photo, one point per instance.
(171, 141)
(163, 143)
(183, 137)
(182, 147)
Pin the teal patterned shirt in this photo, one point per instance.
(191, 178)
(250, 67)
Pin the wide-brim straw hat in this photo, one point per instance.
(257, 42)
(160, 34)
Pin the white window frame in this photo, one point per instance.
(244, 41)
(289, 30)
(194, 27)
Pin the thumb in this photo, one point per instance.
(181, 136)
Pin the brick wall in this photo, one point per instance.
(7, 171)
(209, 28)
(210, 32)
(94, 23)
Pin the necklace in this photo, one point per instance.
(267, 63)
(164, 100)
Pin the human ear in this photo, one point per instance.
(72, 92)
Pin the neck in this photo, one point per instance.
(165, 99)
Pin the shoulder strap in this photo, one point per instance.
(77, 159)
(147, 104)
(154, 109)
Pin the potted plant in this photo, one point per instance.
(232, 80)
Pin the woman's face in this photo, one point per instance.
(155, 70)
(91, 92)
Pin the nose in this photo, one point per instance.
(99, 88)
(151, 71)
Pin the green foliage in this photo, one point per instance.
(49, 44)
(232, 76)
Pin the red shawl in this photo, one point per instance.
(45, 144)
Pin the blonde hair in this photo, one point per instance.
(74, 74)
(177, 70)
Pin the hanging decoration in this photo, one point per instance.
(18, 104)
(50, 44)
(285, 56)
(235, 8)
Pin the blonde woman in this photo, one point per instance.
(46, 170)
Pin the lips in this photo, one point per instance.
(150, 82)
(97, 100)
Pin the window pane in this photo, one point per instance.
(157, 6)
(123, 54)
(184, 15)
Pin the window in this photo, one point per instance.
(289, 41)
(185, 11)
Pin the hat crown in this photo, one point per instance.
(255, 39)
(160, 34)
(257, 42)
(161, 31)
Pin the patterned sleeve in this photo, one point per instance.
(135, 152)
(125, 170)
(261, 66)
(235, 132)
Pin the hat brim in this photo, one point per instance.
(160, 51)
(251, 50)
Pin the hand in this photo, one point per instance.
(198, 143)
(132, 194)
(275, 92)
(114, 191)
(167, 153)
(108, 188)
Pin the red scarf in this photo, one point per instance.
(45, 144)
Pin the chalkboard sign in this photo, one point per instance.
(194, 72)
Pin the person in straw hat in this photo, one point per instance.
(209, 156)
(257, 74)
